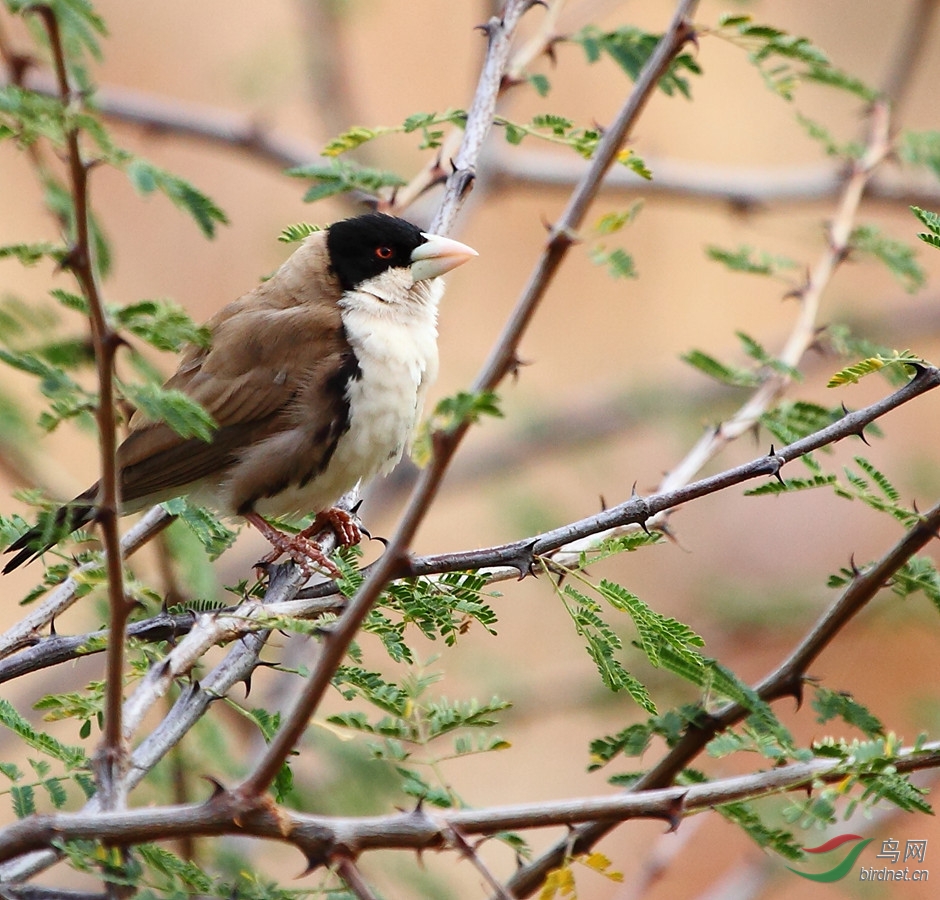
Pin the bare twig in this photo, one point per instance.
(436, 170)
(908, 52)
(160, 116)
(469, 851)
(743, 188)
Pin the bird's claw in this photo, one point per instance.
(343, 524)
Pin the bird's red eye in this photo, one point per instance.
(384, 252)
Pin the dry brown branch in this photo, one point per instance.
(112, 754)
(324, 838)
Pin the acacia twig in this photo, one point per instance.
(499, 562)
(324, 839)
(352, 877)
(111, 756)
(804, 332)
(25, 632)
(335, 643)
(743, 188)
(786, 680)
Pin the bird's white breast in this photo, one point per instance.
(394, 338)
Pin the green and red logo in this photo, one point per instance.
(844, 867)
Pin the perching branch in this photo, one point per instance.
(335, 643)
(391, 563)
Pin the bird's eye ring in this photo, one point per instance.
(384, 252)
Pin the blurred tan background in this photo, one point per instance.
(749, 574)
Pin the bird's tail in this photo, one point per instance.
(50, 530)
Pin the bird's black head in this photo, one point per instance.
(368, 245)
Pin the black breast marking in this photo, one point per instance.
(336, 424)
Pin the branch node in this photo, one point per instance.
(490, 28)
(674, 812)
(218, 789)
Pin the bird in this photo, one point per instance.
(315, 380)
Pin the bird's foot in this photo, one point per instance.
(306, 553)
(344, 526)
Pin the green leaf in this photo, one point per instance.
(24, 800)
(630, 48)
(350, 140)
(540, 83)
(792, 420)
(918, 574)
(56, 791)
(619, 263)
(632, 741)
(746, 817)
(161, 323)
(896, 255)
(183, 414)
(292, 234)
(11, 771)
(449, 414)
(792, 485)
(785, 60)
(836, 704)
(711, 367)
(879, 478)
(207, 528)
(148, 178)
(897, 789)
(635, 164)
(932, 221)
(72, 757)
(823, 136)
(68, 398)
(427, 124)
(30, 254)
(655, 630)
(757, 352)
(843, 343)
(921, 149)
(852, 374)
(602, 645)
(339, 176)
(746, 259)
(29, 116)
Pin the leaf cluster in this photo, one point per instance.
(630, 48)
(786, 60)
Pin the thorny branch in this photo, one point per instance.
(786, 680)
(782, 681)
(112, 753)
(801, 338)
(325, 839)
(335, 643)
(513, 559)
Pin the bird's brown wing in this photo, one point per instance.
(278, 343)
